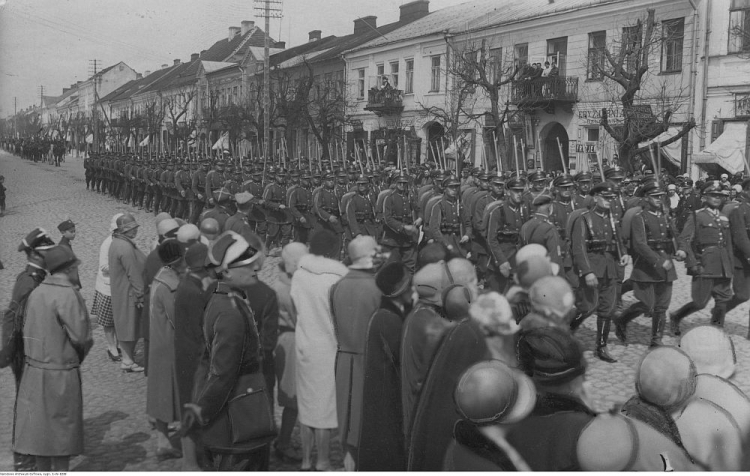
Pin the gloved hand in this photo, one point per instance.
(191, 416)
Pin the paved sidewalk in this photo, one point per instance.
(118, 436)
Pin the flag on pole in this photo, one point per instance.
(222, 143)
(90, 139)
(145, 141)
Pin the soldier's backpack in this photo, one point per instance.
(345, 199)
(627, 224)
(492, 206)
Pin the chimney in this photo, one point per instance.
(280, 44)
(233, 31)
(414, 10)
(164, 66)
(65, 90)
(138, 75)
(246, 26)
(194, 57)
(177, 61)
(314, 35)
(365, 24)
(146, 73)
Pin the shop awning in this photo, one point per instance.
(727, 150)
(673, 151)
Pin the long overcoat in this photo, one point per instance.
(162, 397)
(354, 300)
(49, 408)
(126, 263)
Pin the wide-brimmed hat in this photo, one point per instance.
(393, 279)
(126, 223)
(231, 250)
(59, 258)
(38, 240)
(550, 355)
(665, 377)
(711, 350)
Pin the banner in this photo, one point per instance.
(222, 143)
(145, 141)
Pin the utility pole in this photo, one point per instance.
(267, 9)
(93, 66)
(15, 117)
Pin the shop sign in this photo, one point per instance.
(742, 105)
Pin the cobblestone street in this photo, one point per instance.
(117, 433)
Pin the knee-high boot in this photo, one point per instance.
(602, 333)
(658, 320)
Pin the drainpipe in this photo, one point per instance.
(704, 91)
(693, 81)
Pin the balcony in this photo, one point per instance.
(544, 93)
(385, 101)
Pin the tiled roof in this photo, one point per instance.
(352, 41)
(299, 59)
(131, 88)
(259, 51)
(212, 66)
(289, 53)
(222, 50)
(513, 11)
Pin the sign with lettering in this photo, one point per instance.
(572, 147)
(587, 147)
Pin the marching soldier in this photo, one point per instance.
(653, 272)
(257, 218)
(561, 210)
(183, 184)
(503, 226)
(400, 233)
(219, 211)
(540, 229)
(597, 250)
(448, 224)
(739, 222)
(360, 212)
(326, 207)
(198, 186)
(214, 180)
(279, 221)
(480, 246)
(706, 245)
(300, 205)
(538, 181)
(582, 198)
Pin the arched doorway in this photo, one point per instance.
(434, 131)
(550, 149)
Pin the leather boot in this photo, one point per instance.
(657, 328)
(621, 321)
(602, 331)
(717, 315)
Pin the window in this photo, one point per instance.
(394, 74)
(495, 65)
(597, 43)
(435, 74)
(557, 52)
(739, 26)
(361, 83)
(673, 32)
(380, 68)
(592, 134)
(338, 78)
(521, 55)
(631, 41)
(409, 86)
(234, 95)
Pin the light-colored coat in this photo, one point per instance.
(126, 263)
(162, 400)
(315, 340)
(49, 412)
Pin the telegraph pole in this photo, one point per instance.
(15, 117)
(267, 9)
(93, 66)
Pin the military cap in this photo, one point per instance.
(497, 180)
(362, 179)
(614, 173)
(583, 177)
(483, 176)
(329, 176)
(402, 177)
(38, 239)
(714, 186)
(563, 180)
(650, 188)
(317, 174)
(66, 225)
(516, 183)
(542, 199)
(451, 181)
(605, 189)
(437, 173)
(258, 174)
(537, 176)
(294, 174)
(243, 197)
(306, 175)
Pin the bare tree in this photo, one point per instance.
(153, 117)
(323, 105)
(626, 74)
(177, 105)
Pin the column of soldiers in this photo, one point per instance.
(591, 226)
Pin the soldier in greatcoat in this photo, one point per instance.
(326, 207)
(448, 224)
(360, 211)
(706, 245)
(503, 226)
(300, 205)
(400, 231)
(739, 223)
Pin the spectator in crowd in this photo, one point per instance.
(547, 69)
(354, 299)
(285, 355)
(162, 399)
(102, 307)
(492, 313)
(2, 195)
(230, 365)
(210, 229)
(381, 440)
(35, 245)
(49, 409)
(191, 297)
(126, 264)
(68, 231)
(316, 345)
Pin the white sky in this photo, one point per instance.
(50, 42)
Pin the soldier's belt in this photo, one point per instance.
(600, 246)
(507, 236)
(450, 228)
(302, 208)
(708, 246)
(659, 244)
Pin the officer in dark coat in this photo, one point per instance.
(448, 224)
(540, 229)
(651, 243)
(503, 226)
(198, 186)
(597, 250)
(582, 199)
(278, 219)
(360, 211)
(739, 223)
(562, 206)
(706, 245)
(301, 205)
(215, 179)
(400, 232)
(326, 207)
(184, 186)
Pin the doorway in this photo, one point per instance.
(550, 149)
